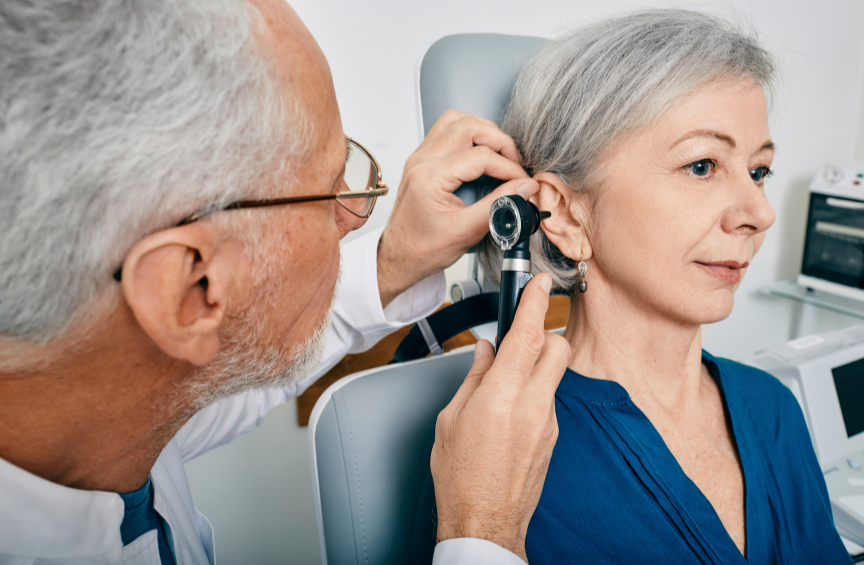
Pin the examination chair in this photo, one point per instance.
(370, 434)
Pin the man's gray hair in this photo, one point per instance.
(119, 118)
(583, 91)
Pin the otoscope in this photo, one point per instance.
(512, 220)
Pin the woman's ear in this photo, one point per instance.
(567, 227)
(176, 283)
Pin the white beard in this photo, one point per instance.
(246, 362)
(243, 367)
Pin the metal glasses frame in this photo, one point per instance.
(380, 189)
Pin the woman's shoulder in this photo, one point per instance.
(760, 389)
(756, 396)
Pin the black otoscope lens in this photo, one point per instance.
(504, 223)
(512, 220)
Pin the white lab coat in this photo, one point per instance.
(44, 523)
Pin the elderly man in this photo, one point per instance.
(174, 183)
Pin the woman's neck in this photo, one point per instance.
(658, 360)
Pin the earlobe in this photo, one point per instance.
(566, 228)
(176, 290)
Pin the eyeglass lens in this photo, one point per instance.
(361, 175)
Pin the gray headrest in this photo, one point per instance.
(473, 73)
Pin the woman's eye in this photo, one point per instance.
(759, 174)
(700, 168)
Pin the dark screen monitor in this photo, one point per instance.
(849, 382)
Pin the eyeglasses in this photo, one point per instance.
(362, 179)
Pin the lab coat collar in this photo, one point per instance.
(170, 484)
(44, 519)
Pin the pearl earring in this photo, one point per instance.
(583, 270)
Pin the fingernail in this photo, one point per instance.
(546, 283)
(526, 190)
(476, 351)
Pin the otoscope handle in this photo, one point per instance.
(515, 274)
(512, 285)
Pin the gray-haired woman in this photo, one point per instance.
(649, 136)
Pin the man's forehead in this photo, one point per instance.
(302, 73)
(296, 59)
(324, 166)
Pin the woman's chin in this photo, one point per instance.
(716, 307)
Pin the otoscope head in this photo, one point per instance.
(512, 220)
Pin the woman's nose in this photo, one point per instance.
(750, 210)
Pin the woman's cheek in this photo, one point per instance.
(757, 242)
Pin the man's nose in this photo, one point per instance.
(346, 222)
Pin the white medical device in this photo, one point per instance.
(834, 247)
(825, 372)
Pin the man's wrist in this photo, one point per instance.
(394, 275)
(502, 535)
(475, 551)
(388, 286)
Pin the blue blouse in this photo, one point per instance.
(615, 493)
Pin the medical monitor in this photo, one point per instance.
(833, 259)
(825, 373)
(849, 384)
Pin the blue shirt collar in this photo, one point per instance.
(601, 391)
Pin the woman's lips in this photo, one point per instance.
(726, 271)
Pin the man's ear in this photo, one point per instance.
(175, 282)
(566, 229)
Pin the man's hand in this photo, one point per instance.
(494, 440)
(430, 228)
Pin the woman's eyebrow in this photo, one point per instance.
(706, 133)
(722, 137)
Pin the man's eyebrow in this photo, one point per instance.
(341, 174)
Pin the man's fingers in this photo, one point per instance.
(484, 356)
(476, 216)
(526, 188)
(534, 302)
(470, 164)
(521, 347)
(444, 122)
(550, 366)
(450, 117)
(477, 131)
(464, 131)
(451, 172)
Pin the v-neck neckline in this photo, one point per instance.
(744, 457)
(671, 473)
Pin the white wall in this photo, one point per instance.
(257, 490)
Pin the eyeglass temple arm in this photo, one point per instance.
(373, 193)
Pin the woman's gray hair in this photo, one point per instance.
(583, 91)
(119, 118)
